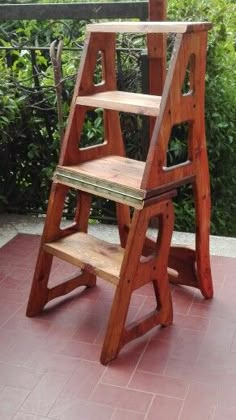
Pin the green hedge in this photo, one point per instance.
(29, 141)
(220, 109)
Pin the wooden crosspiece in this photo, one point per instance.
(148, 187)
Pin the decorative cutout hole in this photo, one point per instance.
(98, 78)
(150, 248)
(93, 129)
(188, 83)
(68, 213)
(178, 144)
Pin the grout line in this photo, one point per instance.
(191, 304)
(181, 409)
(203, 341)
(14, 313)
(114, 412)
(98, 383)
(138, 361)
(149, 407)
(214, 411)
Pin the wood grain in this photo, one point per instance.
(105, 171)
(149, 27)
(90, 254)
(113, 177)
(137, 103)
(134, 273)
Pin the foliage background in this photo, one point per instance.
(29, 138)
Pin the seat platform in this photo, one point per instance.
(111, 177)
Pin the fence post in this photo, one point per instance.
(156, 50)
(57, 70)
(144, 67)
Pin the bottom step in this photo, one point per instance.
(89, 253)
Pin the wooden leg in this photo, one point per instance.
(155, 269)
(203, 209)
(190, 267)
(83, 210)
(40, 293)
(123, 219)
(161, 282)
(134, 274)
(123, 292)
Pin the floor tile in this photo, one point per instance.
(197, 323)
(127, 415)
(18, 350)
(49, 364)
(7, 310)
(66, 409)
(25, 416)
(187, 344)
(158, 384)
(225, 413)
(155, 356)
(87, 351)
(165, 408)
(182, 300)
(19, 377)
(9, 294)
(120, 371)
(200, 402)
(44, 395)
(34, 326)
(46, 361)
(11, 398)
(122, 398)
(83, 381)
(90, 327)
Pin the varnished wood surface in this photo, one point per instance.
(111, 177)
(149, 27)
(90, 254)
(103, 170)
(123, 101)
(134, 273)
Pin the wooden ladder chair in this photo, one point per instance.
(148, 187)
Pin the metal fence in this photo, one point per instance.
(41, 51)
(81, 11)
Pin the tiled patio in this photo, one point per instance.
(49, 365)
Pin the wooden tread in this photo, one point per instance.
(149, 27)
(90, 254)
(137, 103)
(113, 177)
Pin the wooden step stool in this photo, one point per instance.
(148, 187)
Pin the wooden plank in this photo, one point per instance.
(137, 103)
(112, 177)
(108, 193)
(149, 27)
(156, 51)
(79, 11)
(90, 254)
(118, 170)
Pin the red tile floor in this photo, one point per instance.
(49, 365)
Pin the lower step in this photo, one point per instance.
(89, 253)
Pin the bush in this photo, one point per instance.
(28, 121)
(220, 109)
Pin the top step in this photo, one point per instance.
(149, 27)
